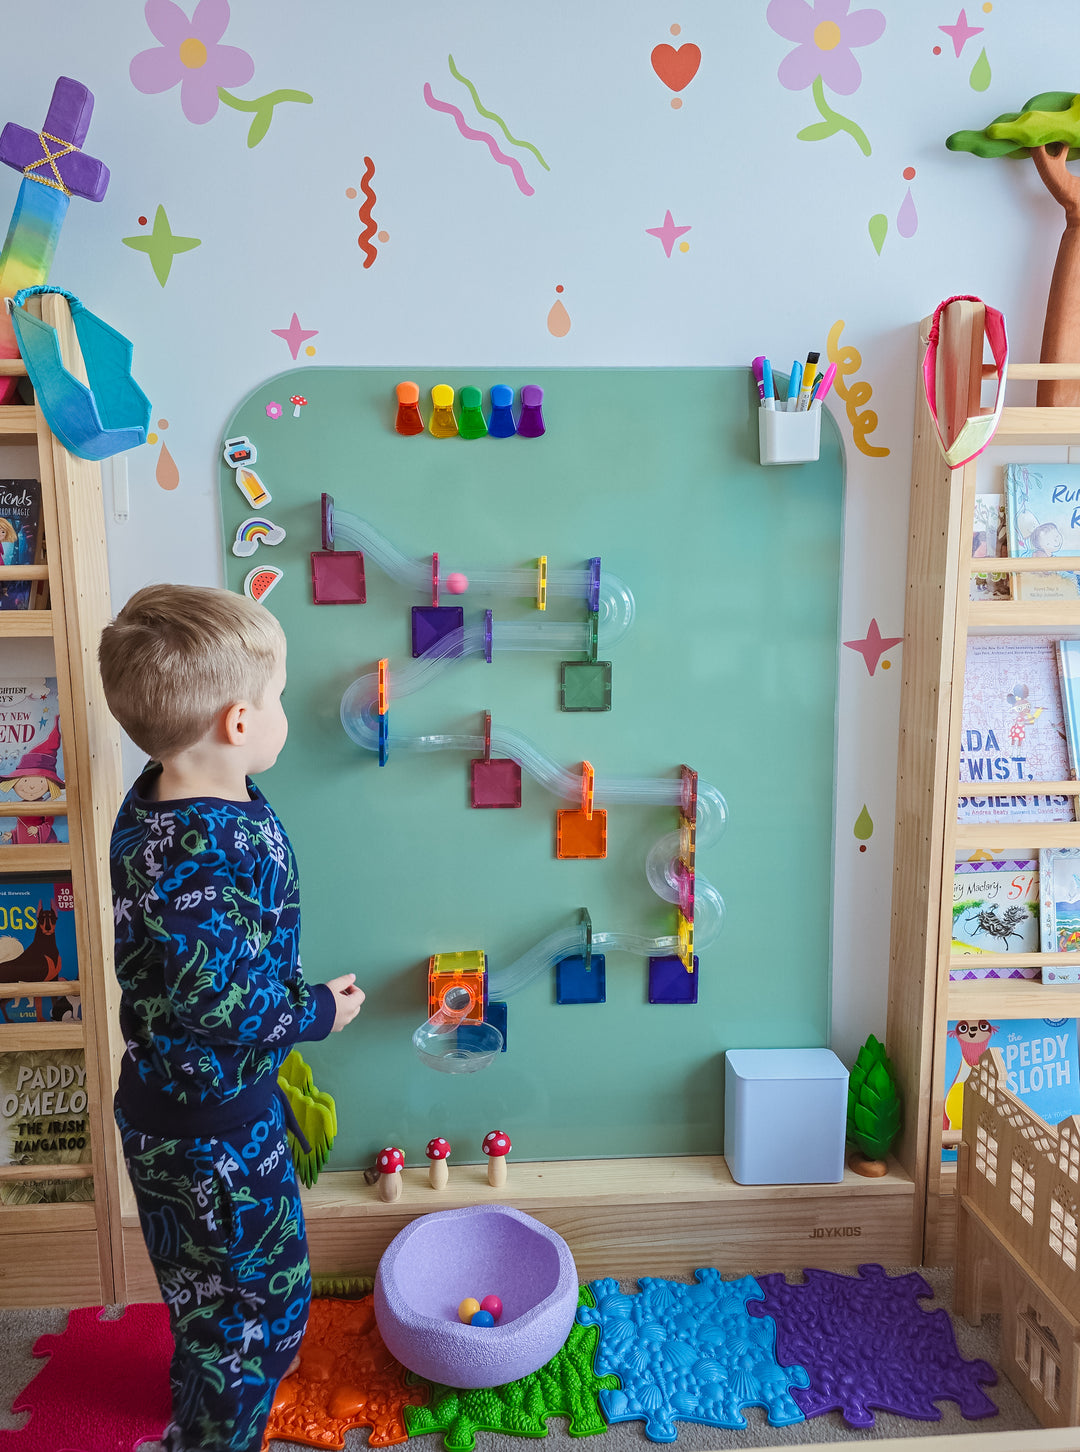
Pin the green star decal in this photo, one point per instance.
(162, 245)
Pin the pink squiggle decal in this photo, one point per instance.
(364, 240)
(471, 135)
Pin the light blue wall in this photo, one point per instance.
(778, 249)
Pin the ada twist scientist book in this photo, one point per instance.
(1013, 730)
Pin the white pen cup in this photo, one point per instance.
(789, 438)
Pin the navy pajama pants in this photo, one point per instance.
(224, 1229)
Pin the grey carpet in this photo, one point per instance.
(20, 1329)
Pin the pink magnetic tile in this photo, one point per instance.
(495, 782)
(337, 577)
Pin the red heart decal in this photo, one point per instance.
(676, 68)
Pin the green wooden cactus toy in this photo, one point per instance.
(873, 1119)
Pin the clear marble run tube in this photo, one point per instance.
(615, 602)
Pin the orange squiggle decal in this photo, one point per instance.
(849, 360)
(364, 240)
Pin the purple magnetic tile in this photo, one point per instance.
(594, 583)
(432, 623)
(487, 636)
(326, 516)
(669, 981)
(688, 1353)
(495, 782)
(337, 577)
(868, 1345)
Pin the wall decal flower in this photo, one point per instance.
(190, 55)
(827, 33)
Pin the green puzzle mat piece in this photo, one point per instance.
(564, 1387)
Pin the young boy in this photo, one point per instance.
(207, 911)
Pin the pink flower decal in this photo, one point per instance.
(189, 56)
(827, 32)
(274, 410)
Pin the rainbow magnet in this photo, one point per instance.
(254, 531)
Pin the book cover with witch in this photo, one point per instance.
(31, 763)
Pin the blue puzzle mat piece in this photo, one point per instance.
(689, 1352)
(867, 1343)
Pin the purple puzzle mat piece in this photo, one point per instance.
(868, 1344)
(104, 1388)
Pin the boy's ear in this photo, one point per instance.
(235, 724)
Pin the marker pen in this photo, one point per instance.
(756, 365)
(768, 397)
(802, 402)
(794, 383)
(826, 383)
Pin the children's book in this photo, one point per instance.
(1041, 1060)
(43, 1108)
(1013, 729)
(37, 945)
(1042, 519)
(1068, 654)
(995, 910)
(31, 761)
(1059, 910)
(20, 533)
(989, 539)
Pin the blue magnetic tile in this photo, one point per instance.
(574, 985)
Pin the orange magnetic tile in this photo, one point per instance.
(577, 835)
(346, 1378)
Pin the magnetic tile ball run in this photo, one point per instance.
(439, 1259)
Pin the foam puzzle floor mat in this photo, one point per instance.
(689, 1360)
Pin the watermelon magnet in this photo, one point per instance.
(260, 582)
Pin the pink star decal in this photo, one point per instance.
(874, 646)
(295, 335)
(961, 32)
(668, 234)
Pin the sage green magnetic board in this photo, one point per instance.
(730, 667)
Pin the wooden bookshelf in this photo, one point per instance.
(69, 1253)
(939, 618)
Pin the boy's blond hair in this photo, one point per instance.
(178, 655)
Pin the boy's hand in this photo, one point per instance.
(348, 1000)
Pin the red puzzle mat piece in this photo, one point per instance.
(105, 1387)
(347, 1378)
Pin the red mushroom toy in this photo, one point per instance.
(438, 1152)
(298, 402)
(389, 1163)
(496, 1146)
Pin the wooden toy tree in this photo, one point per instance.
(1047, 130)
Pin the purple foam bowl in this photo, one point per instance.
(430, 1267)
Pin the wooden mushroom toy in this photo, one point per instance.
(496, 1146)
(389, 1162)
(438, 1152)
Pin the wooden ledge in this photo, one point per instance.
(701, 1179)
(659, 1217)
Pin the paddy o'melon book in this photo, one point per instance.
(1013, 730)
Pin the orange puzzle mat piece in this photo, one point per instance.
(346, 1378)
